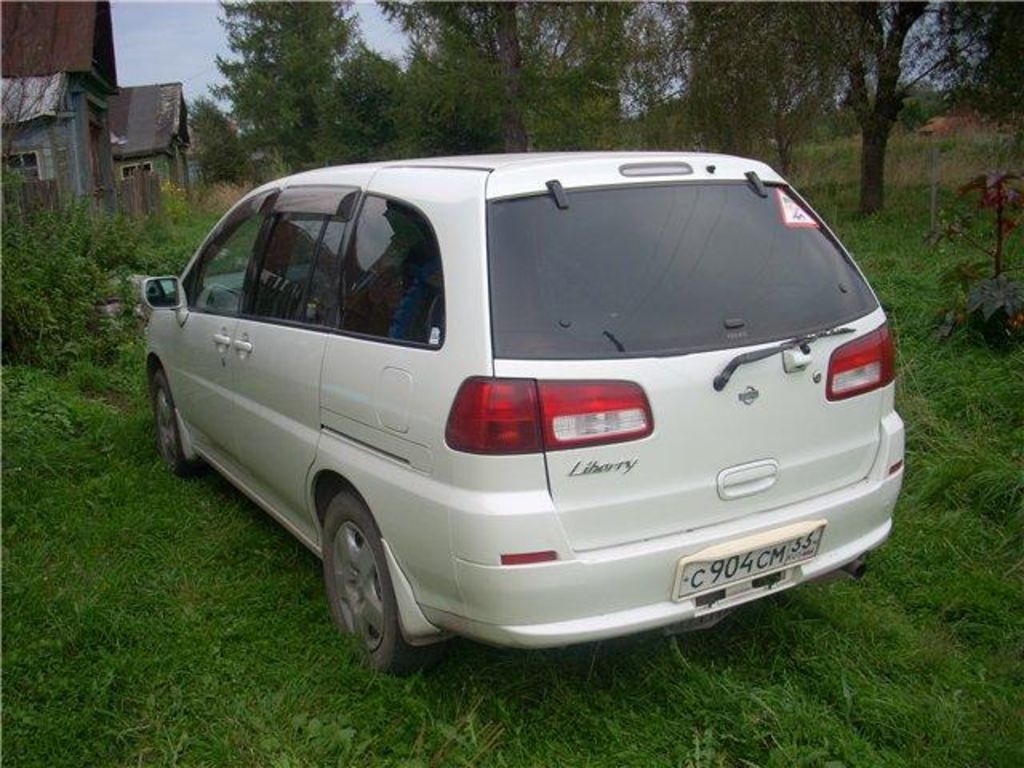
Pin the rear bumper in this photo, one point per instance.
(628, 589)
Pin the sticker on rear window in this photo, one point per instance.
(793, 216)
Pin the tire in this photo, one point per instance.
(360, 592)
(168, 438)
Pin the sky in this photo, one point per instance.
(170, 42)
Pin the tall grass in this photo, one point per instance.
(154, 621)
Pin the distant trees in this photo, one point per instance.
(749, 78)
(281, 83)
(991, 77)
(759, 77)
(217, 146)
(517, 76)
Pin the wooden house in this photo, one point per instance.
(59, 73)
(149, 130)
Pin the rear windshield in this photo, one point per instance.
(661, 270)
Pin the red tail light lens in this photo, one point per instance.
(510, 416)
(862, 365)
(593, 412)
(495, 416)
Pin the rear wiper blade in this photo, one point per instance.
(618, 344)
(802, 342)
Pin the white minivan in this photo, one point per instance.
(536, 399)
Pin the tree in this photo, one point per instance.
(539, 74)
(872, 41)
(366, 101)
(694, 73)
(288, 61)
(991, 77)
(218, 148)
(482, 38)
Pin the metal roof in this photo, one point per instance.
(47, 38)
(145, 119)
(26, 98)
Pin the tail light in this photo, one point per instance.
(862, 365)
(509, 416)
(495, 416)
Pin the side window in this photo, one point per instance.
(218, 284)
(287, 267)
(321, 306)
(392, 278)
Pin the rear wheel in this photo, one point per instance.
(359, 589)
(168, 438)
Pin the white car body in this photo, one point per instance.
(291, 413)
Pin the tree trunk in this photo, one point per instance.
(510, 59)
(874, 138)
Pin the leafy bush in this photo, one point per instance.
(58, 269)
(174, 202)
(989, 301)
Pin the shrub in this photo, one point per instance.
(989, 300)
(57, 268)
(174, 202)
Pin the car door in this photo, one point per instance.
(203, 361)
(291, 306)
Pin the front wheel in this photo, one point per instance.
(359, 591)
(168, 438)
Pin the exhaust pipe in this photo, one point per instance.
(856, 568)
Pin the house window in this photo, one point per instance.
(127, 171)
(25, 164)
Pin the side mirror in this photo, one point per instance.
(162, 293)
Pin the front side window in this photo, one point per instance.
(221, 277)
(392, 280)
(287, 266)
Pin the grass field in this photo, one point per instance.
(149, 620)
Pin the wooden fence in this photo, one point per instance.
(137, 196)
(29, 196)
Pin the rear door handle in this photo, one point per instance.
(243, 345)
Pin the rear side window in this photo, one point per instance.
(287, 267)
(661, 270)
(392, 280)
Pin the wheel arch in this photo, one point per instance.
(327, 484)
(415, 628)
(153, 364)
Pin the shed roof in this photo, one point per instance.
(47, 38)
(26, 98)
(144, 119)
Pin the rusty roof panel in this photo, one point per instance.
(46, 38)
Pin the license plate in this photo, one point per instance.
(722, 565)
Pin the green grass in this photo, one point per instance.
(154, 621)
